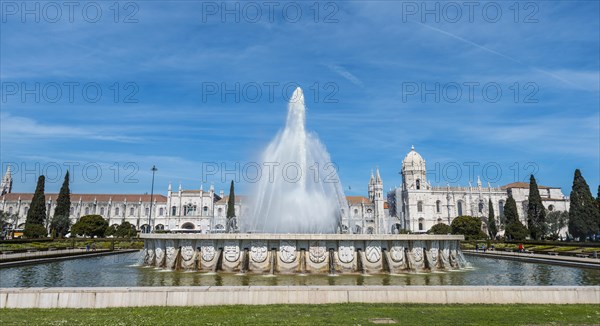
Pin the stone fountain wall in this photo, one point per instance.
(299, 253)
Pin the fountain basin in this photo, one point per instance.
(303, 253)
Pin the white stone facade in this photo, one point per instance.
(418, 206)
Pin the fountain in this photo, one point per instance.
(304, 196)
(294, 227)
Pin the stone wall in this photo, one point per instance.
(300, 254)
(259, 295)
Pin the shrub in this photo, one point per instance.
(33, 231)
(469, 226)
(440, 228)
(90, 225)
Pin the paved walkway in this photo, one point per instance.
(588, 262)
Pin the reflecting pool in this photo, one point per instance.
(125, 270)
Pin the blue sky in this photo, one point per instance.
(364, 67)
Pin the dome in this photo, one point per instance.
(413, 159)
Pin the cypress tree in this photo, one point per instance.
(493, 230)
(515, 230)
(583, 215)
(536, 212)
(63, 202)
(231, 208)
(37, 210)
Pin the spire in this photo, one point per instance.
(180, 186)
(6, 185)
(478, 182)
(378, 178)
(169, 189)
(412, 147)
(372, 180)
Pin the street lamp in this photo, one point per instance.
(154, 169)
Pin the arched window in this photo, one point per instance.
(551, 208)
(355, 212)
(116, 211)
(418, 183)
(419, 206)
(501, 208)
(10, 210)
(420, 226)
(480, 206)
(147, 211)
(188, 226)
(87, 211)
(131, 211)
(161, 211)
(173, 210)
(159, 227)
(205, 208)
(438, 206)
(101, 210)
(459, 207)
(220, 211)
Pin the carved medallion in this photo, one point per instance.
(417, 253)
(171, 253)
(346, 251)
(373, 251)
(287, 251)
(258, 251)
(187, 250)
(397, 252)
(231, 251)
(208, 250)
(317, 251)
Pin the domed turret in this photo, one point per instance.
(414, 171)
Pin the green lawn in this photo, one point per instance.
(337, 314)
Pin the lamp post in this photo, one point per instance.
(154, 169)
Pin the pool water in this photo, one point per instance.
(125, 270)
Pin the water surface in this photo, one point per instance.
(123, 270)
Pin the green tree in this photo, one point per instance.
(111, 230)
(514, 230)
(536, 212)
(126, 230)
(90, 226)
(63, 201)
(492, 228)
(440, 228)
(231, 209)
(60, 224)
(37, 210)
(469, 226)
(556, 221)
(584, 217)
(33, 231)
